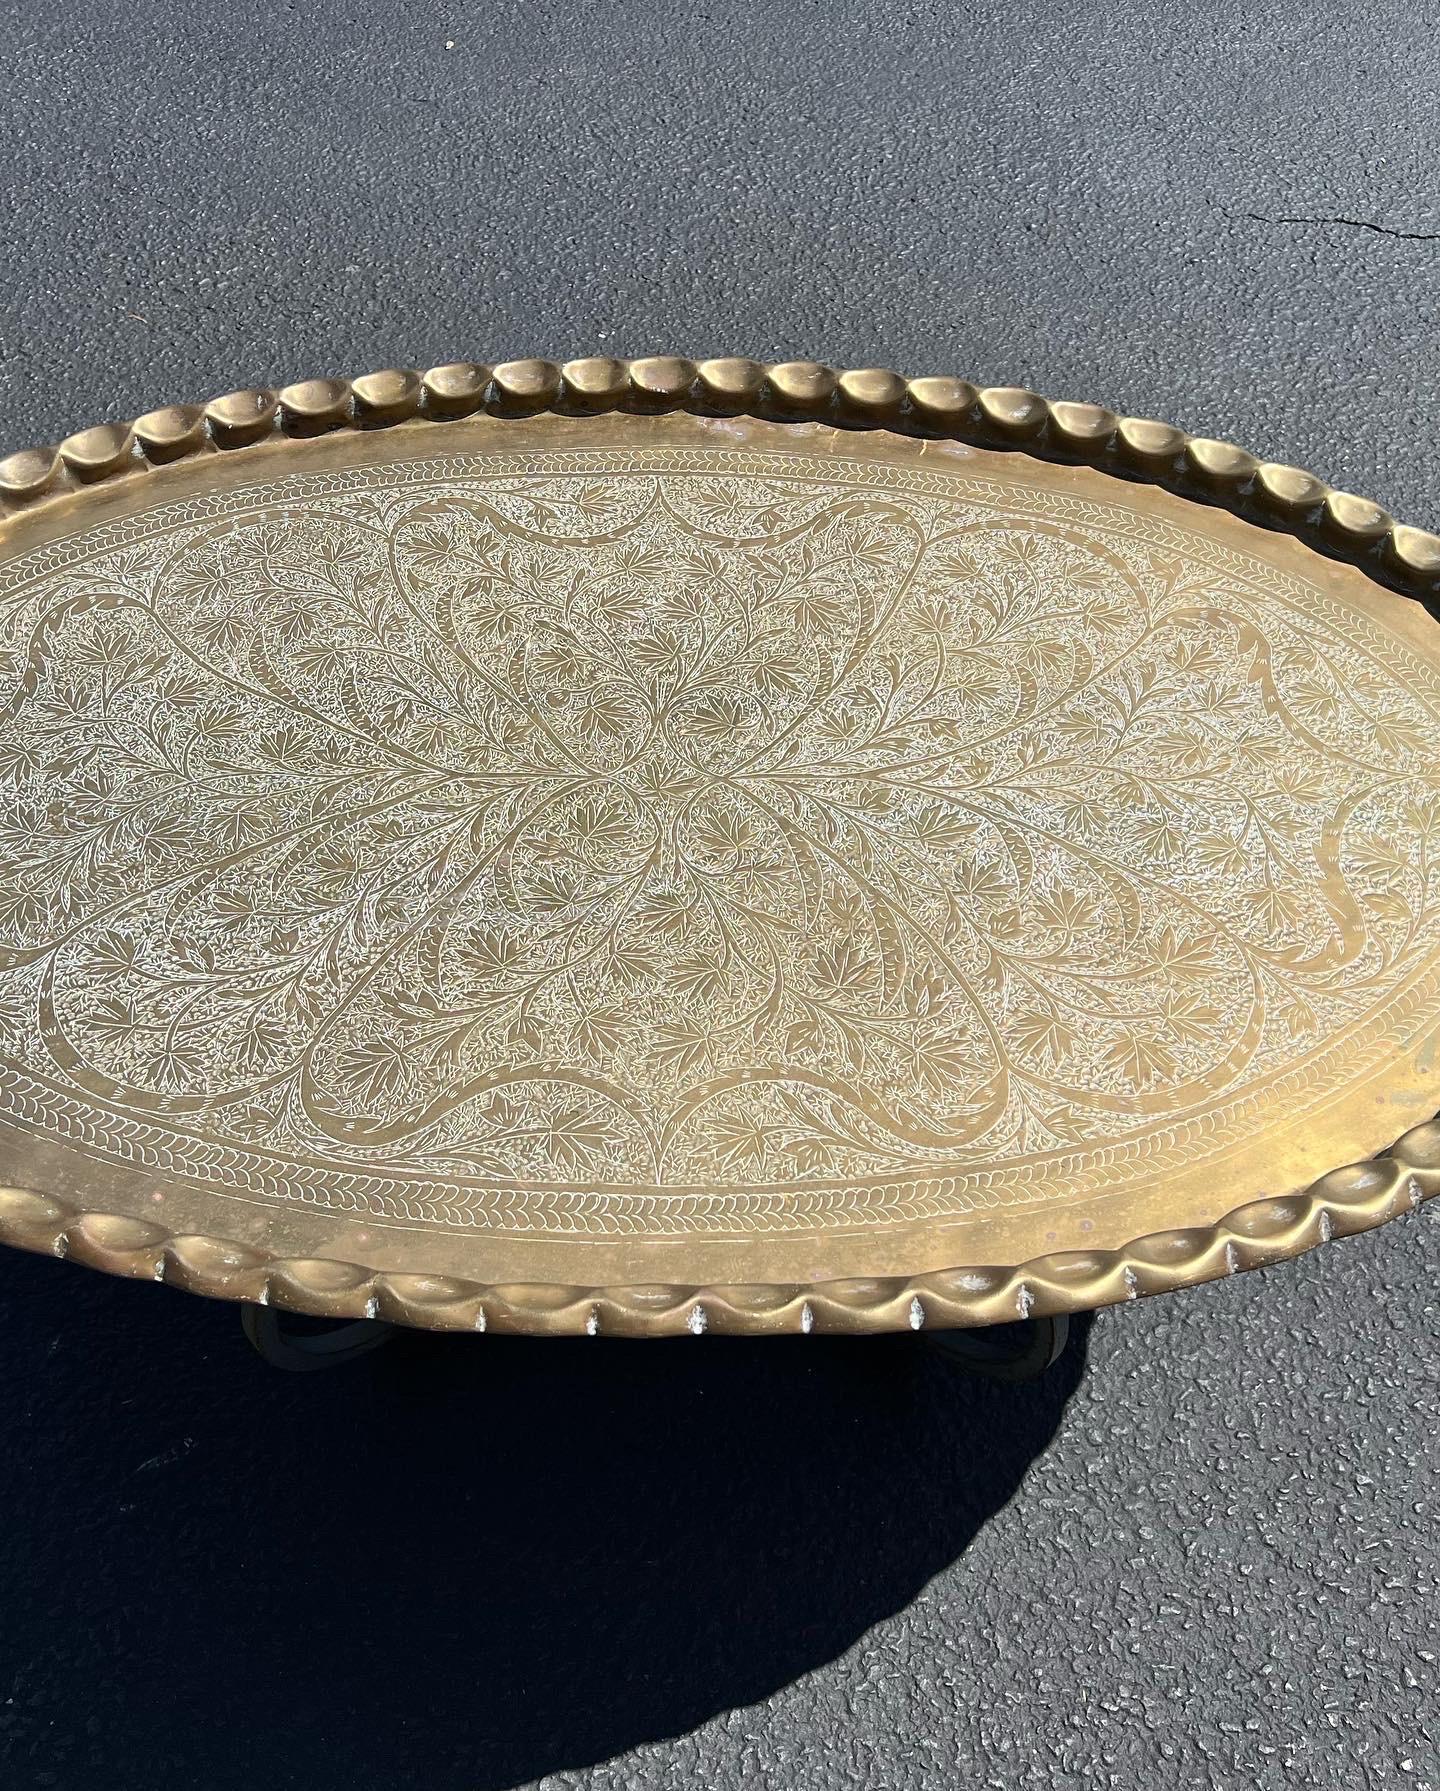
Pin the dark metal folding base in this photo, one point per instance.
(1018, 1352)
(302, 1352)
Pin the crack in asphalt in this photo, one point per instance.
(1408, 236)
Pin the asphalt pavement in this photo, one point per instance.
(1204, 1552)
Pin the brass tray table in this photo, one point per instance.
(659, 847)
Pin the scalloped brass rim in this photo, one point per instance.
(792, 391)
(1348, 1200)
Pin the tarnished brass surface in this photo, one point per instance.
(637, 871)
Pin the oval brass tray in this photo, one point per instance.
(653, 846)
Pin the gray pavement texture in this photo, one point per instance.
(1204, 1552)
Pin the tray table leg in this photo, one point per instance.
(1026, 1351)
(302, 1352)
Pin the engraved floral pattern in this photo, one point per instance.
(757, 827)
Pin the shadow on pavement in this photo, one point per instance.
(463, 1563)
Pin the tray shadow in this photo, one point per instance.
(467, 1562)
